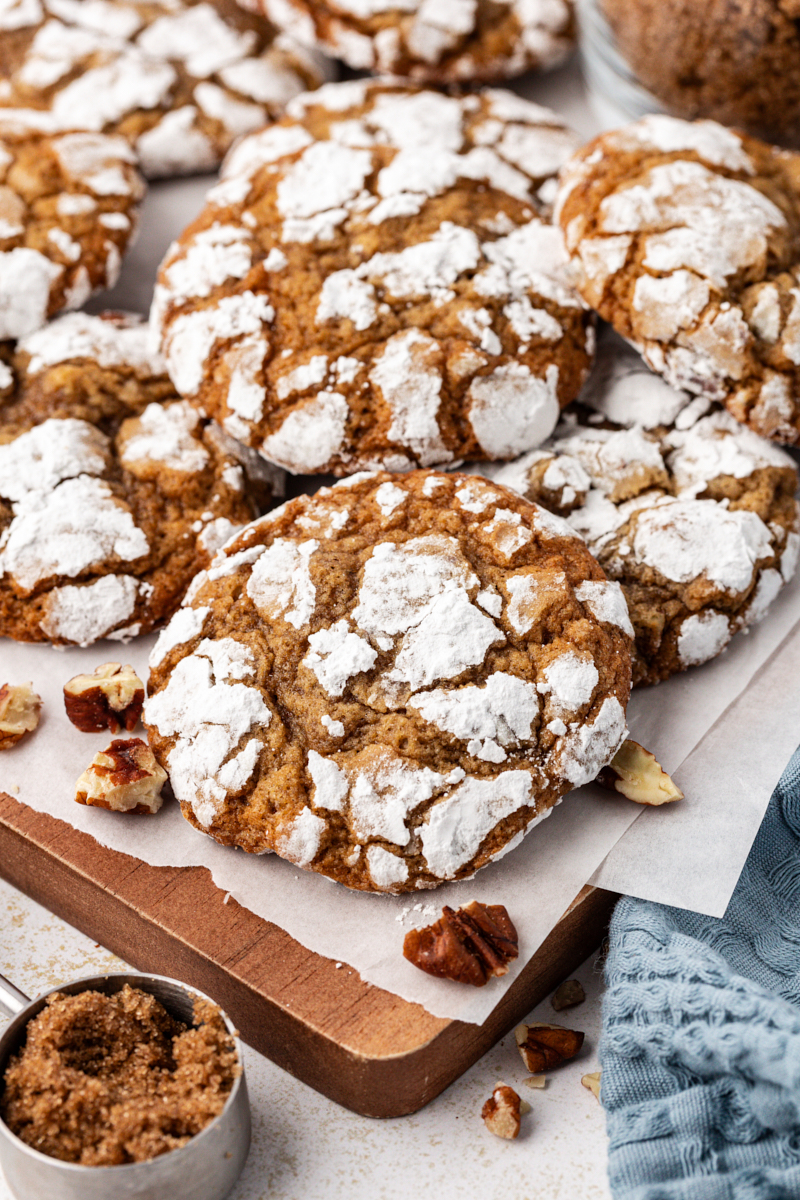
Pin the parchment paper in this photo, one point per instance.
(691, 854)
(728, 776)
(536, 882)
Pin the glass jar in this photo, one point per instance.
(736, 61)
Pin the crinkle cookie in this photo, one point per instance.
(391, 681)
(694, 515)
(432, 40)
(106, 517)
(96, 369)
(68, 206)
(179, 80)
(686, 237)
(386, 294)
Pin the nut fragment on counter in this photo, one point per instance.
(568, 995)
(546, 1046)
(19, 712)
(125, 778)
(501, 1112)
(592, 1082)
(110, 698)
(635, 773)
(535, 1081)
(470, 944)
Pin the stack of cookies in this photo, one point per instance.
(391, 679)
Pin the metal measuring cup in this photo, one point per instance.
(206, 1168)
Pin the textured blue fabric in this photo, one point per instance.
(701, 1033)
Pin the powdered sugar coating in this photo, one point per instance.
(110, 343)
(442, 292)
(689, 513)
(435, 40)
(682, 235)
(180, 81)
(67, 212)
(417, 732)
(210, 706)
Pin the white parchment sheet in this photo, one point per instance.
(691, 854)
(726, 730)
(692, 851)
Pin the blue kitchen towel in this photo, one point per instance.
(701, 1033)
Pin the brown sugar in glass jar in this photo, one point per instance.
(735, 61)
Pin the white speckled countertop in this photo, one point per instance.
(306, 1147)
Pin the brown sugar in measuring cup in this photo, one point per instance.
(180, 1121)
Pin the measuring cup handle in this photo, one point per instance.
(12, 1000)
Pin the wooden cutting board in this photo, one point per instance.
(369, 1050)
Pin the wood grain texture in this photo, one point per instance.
(366, 1048)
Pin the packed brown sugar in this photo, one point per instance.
(106, 1080)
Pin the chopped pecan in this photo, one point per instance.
(535, 1081)
(635, 773)
(125, 778)
(19, 712)
(592, 1082)
(546, 1046)
(469, 944)
(568, 995)
(501, 1112)
(111, 698)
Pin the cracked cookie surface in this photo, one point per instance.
(68, 207)
(375, 282)
(685, 236)
(113, 492)
(180, 81)
(390, 681)
(432, 41)
(693, 514)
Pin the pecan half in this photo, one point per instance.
(635, 773)
(111, 698)
(501, 1112)
(546, 1046)
(125, 778)
(19, 712)
(469, 944)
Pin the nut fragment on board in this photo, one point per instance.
(111, 697)
(125, 778)
(19, 712)
(635, 773)
(535, 1081)
(501, 1112)
(546, 1046)
(592, 1082)
(470, 944)
(568, 995)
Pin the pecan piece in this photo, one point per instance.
(568, 995)
(546, 1046)
(592, 1082)
(124, 778)
(501, 1112)
(111, 698)
(635, 773)
(19, 712)
(469, 944)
